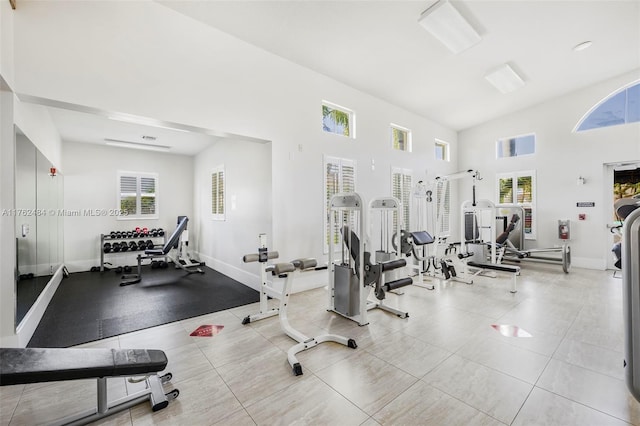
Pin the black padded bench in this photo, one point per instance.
(36, 365)
(515, 270)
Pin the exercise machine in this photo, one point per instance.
(510, 240)
(630, 252)
(288, 271)
(478, 234)
(39, 365)
(430, 212)
(388, 211)
(173, 242)
(351, 278)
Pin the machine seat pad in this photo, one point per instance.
(305, 263)
(420, 238)
(283, 268)
(35, 365)
(155, 252)
(503, 268)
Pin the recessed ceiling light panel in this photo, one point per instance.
(505, 79)
(445, 23)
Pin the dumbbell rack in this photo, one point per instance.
(107, 238)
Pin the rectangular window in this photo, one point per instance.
(516, 146)
(442, 150)
(400, 138)
(443, 207)
(338, 120)
(137, 195)
(401, 182)
(217, 193)
(519, 189)
(339, 176)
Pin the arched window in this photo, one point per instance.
(622, 107)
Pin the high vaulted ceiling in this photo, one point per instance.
(379, 47)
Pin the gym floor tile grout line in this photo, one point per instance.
(444, 364)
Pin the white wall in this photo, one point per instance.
(90, 182)
(248, 205)
(37, 125)
(6, 42)
(561, 157)
(145, 59)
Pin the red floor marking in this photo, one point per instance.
(207, 330)
(510, 330)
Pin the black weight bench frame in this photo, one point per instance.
(171, 243)
(37, 365)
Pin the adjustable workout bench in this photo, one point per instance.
(172, 242)
(36, 365)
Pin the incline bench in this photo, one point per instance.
(36, 365)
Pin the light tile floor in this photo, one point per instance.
(444, 365)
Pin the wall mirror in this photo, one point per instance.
(39, 226)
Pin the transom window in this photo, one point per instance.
(620, 108)
(338, 120)
(400, 138)
(516, 146)
(442, 150)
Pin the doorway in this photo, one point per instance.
(622, 181)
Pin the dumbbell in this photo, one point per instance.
(118, 270)
(155, 264)
(115, 247)
(112, 234)
(164, 265)
(127, 269)
(133, 246)
(160, 232)
(124, 246)
(106, 247)
(142, 245)
(149, 244)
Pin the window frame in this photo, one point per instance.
(138, 177)
(446, 150)
(219, 212)
(351, 127)
(408, 142)
(604, 100)
(405, 195)
(515, 138)
(532, 235)
(341, 163)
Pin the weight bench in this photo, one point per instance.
(37, 365)
(172, 242)
(515, 270)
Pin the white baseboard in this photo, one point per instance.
(30, 322)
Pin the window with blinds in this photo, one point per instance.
(339, 176)
(518, 189)
(401, 183)
(217, 193)
(137, 195)
(443, 207)
(400, 138)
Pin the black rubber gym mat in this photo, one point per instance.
(90, 306)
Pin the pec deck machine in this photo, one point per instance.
(357, 272)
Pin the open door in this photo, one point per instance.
(623, 182)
